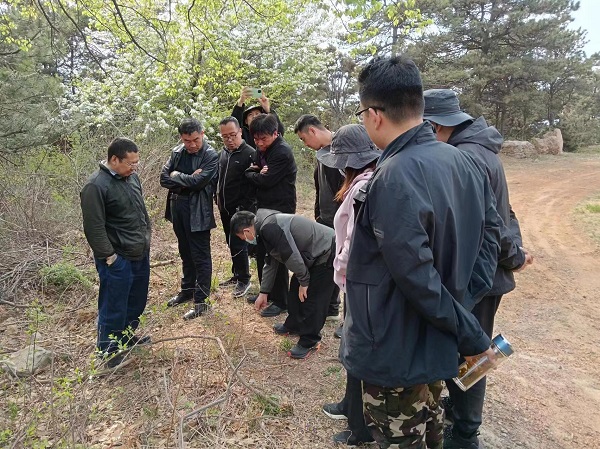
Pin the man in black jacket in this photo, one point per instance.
(117, 227)
(274, 175)
(328, 182)
(235, 193)
(245, 115)
(189, 174)
(482, 143)
(425, 244)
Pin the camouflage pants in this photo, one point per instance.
(405, 418)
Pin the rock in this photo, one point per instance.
(550, 143)
(27, 361)
(518, 148)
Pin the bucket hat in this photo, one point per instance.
(442, 107)
(350, 147)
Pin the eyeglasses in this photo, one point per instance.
(133, 165)
(230, 136)
(360, 113)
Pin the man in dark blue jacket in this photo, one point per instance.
(425, 243)
(482, 143)
(189, 174)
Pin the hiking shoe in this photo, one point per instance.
(280, 329)
(447, 404)
(241, 289)
(333, 411)
(337, 333)
(112, 356)
(139, 341)
(452, 440)
(272, 310)
(198, 310)
(180, 298)
(300, 352)
(231, 281)
(332, 316)
(347, 438)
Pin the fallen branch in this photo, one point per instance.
(162, 263)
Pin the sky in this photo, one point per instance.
(587, 18)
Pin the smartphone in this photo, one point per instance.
(256, 93)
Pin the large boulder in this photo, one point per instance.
(550, 143)
(518, 148)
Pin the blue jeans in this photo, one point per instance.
(122, 297)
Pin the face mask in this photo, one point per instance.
(252, 241)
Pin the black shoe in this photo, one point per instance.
(347, 438)
(447, 404)
(251, 299)
(198, 310)
(452, 440)
(333, 315)
(300, 352)
(179, 299)
(337, 333)
(112, 356)
(280, 329)
(333, 411)
(231, 281)
(241, 289)
(139, 341)
(272, 310)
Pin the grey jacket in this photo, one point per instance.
(201, 186)
(295, 241)
(483, 143)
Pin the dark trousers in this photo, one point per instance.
(279, 292)
(334, 302)
(352, 407)
(122, 297)
(468, 405)
(307, 318)
(238, 249)
(194, 250)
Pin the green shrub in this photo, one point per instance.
(65, 274)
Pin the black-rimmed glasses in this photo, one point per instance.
(360, 113)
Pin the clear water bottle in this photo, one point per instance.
(469, 373)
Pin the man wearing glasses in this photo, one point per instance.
(189, 175)
(235, 193)
(117, 228)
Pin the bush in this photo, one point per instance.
(64, 275)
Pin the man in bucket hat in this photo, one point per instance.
(482, 143)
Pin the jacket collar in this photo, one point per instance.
(112, 173)
(422, 133)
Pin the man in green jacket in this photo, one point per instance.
(117, 227)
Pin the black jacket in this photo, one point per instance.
(425, 241)
(328, 182)
(115, 219)
(483, 143)
(234, 191)
(200, 186)
(275, 189)
(239, 112)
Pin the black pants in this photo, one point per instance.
(307, 318)
(352, 407)
(194, 250)
(238, 249)
(468, 405)
(334, 302)
(279, 292)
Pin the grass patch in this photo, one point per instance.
(286, 344)
(594, 208)
(587, 214)
(65, 274)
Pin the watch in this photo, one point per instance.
(111, 259)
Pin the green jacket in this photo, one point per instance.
(115, 219)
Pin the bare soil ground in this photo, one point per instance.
(546, 396)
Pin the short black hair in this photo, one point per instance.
(189, 126)
(393, 84)
(305, 121)
(229, 119)
(264, 124)
(241, 220)
(120, 147)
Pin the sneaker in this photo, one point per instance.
(454, 441)
(333, 411)
(179, 299)
(446, 403)
(198, 310)
(280, 329)
(241, 289)
(251, 299)
(272, 310)
(333, 316)
(300, 352)
(347, 438)
(337, 333)
(139, 341)
(231, 281)
(111, 357)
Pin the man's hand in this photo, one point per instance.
(302, 293)
(173, 173)
(253, 167)
(491, 355)
(244, 95)
(264, 170)
(261, 301)
(197, 172)
(528, 260)
(265, 103)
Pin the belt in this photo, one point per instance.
(179, 196)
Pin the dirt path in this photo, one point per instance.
(548, 396)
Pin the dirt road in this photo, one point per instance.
(548, 395)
